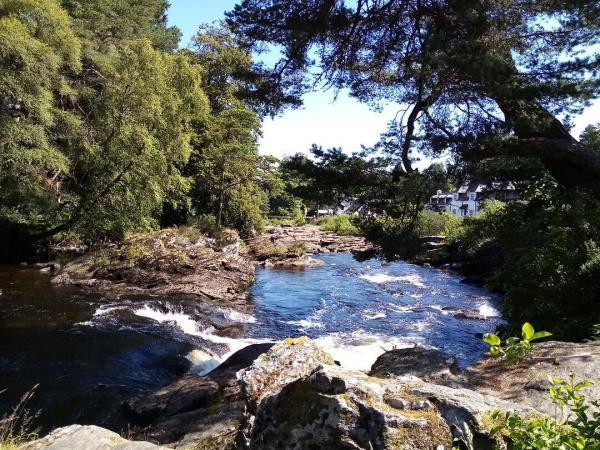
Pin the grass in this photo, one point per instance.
(16, 426)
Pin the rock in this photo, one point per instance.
(294, 396)
(167, 262)
(203, 412)
(332, 407)
(527, 382)
(312, 237)
(300, 263)
(86, 438)
(283, 363)
(427, 364)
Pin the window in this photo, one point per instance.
(472, 196)
(456, 196)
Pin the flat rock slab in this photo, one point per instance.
(86, 438)
(527, 382)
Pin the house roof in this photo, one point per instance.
(479, 186)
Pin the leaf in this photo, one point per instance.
(540, 335)
(528, 331)
(584, 384)
(491, 339)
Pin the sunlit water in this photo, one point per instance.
(89, 352)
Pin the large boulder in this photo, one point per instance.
(428, 364)
(291, 406)
(86, 438)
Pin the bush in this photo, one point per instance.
(580, 429)
(344, 225)
(431, 223)
(549, 264)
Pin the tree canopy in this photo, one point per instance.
(484, 78)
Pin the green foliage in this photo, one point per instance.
(432, 223)
(579, 429)
(105, 129)
(344, 225)
(548, 248)
(514, 349)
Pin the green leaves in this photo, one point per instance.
(578, 430)
(491, 339)
(514, 349)
(528, 331)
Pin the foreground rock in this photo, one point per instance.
(86, 438)
(294, 396)
(169, 262)
(204, 412)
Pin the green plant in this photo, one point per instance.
(344, 225)
(16, 426)
(578, 430)
(514, 348)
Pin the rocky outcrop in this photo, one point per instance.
(86, 438)
(295, 396)
(312, 238)
(204, 411)
(168, 262)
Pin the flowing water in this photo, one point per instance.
(89, 352)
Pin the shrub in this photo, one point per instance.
(514, 349)
(431, 223)
(344, 225)
(579, 429)
(549, 258)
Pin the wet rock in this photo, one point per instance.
(300, 263)
(234, 331)
(203, 412)
(312, 237)
(86, 437)
(428, 364)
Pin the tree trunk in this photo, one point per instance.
(539, 134)
(221, 200)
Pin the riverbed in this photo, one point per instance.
(89, 352)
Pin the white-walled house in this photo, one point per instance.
(468, 199)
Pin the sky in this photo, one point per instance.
(323, 120)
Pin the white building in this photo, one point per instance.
(468, 199)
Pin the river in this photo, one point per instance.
(87, 353)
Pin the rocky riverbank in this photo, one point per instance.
(186, 262)
(285, 246)
(293, 395)
(168, 262)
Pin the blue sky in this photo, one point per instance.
(341, 122)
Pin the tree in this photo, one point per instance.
(590, 137)
(485, 78)
(39, 51)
